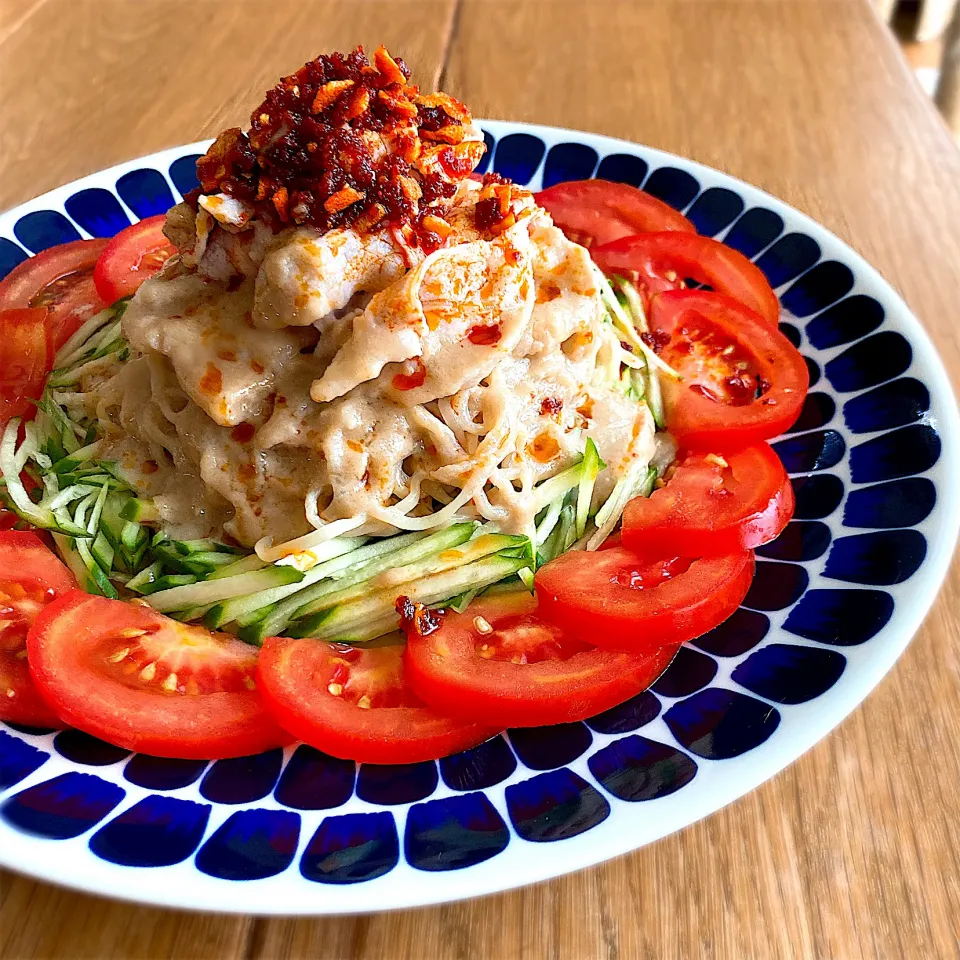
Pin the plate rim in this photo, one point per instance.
(152, 887)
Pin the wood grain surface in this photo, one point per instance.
(852, 852)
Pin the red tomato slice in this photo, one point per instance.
(354, 703)
(616, 600)
(743, 381)
(595, 212)
(30, 578)
(58, 279)
(517, 670)
(712, 505)
(26, 356)
(662, 261)
(135, 254)
(126, 674)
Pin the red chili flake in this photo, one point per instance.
(211, 383)
(410, 381)
(318, 137)
(243, 432)
(485, 336)
(418, 617)
(550, 406)
(656, 340)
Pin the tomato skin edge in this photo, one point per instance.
(612, 627)
(253, 732)
(343, 741)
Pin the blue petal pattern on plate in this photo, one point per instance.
(630, 715)
(842, 618)
(623, 168)
(544, 748)
(635, 768)
(715, 209)
(845, 321)
(871, 383)
(688, 672)
(161, 773)
(82, 748)
(899, 453)
(786, 673)
(717, 724)
(569, 161)
(817, 496)
(484, 766)
(243, 779)
(18, 760)
(352, 849)
(145, 192)
(98, 211)
(881, 558)
(313, 780)
(44, 228)
(251, 845)
(799, 541)
(892, 405)
(899, 503)
(453, 833)
(736, 635)
(555, 806)
(395, 784)
(63, 807)
(156, 832)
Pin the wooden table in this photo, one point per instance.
(855, 850)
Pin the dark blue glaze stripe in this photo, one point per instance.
(156, 832)
(880, 357)
(629, 715)
(840, 618)
(18, 759)
(818, 288)
(518, 156)
(453, 833)
(44, 228)
(787, 673)
(818, 450)
(899, 503)
(736, 635)
(688, 672)
(145, 192)
(484, 766)
(894, 404)
(10, 256)
(673, 186)
(880, 559)
(790, 256)
(754, 231)
(98, 211)
(396, 784)
(82, 748)
(352, 849)
(569, 161)
(635, 769)
(818, 410)
(242, 779)
(63, 807)
(799, 541)
(776, 586)
(899, 453)
(718, 724)
(714, 210)
(183, 173)
(161, 773)
(817, 496)
(623, 168)
(844, 322)
(545, 748)
(315, 781)
(555, 806)
(251, 845)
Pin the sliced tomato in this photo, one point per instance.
(137, 679)
(60, 280)
(712, 505)
(135, 254)
(354, 703)
(596, 212)
(30, 578)
(743, 381)
(501, 662)
(26, 357)
(656, 262)
(615, 600)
